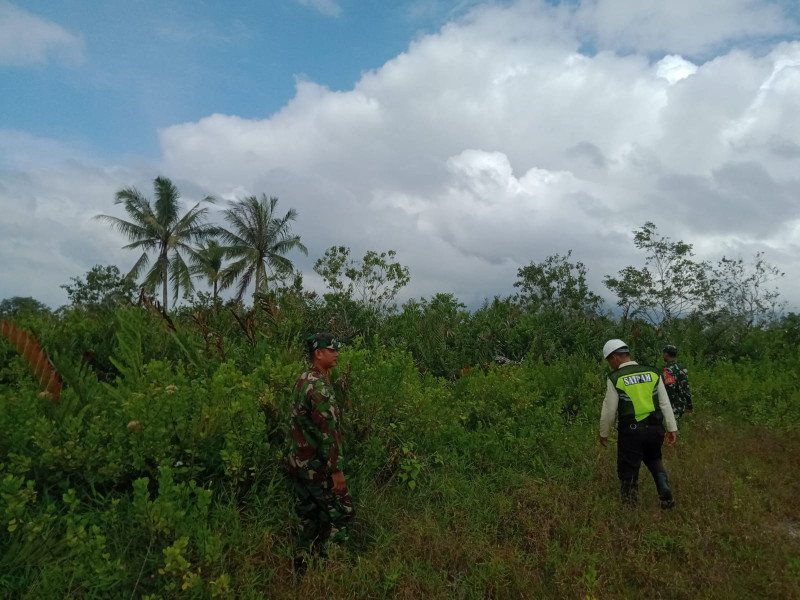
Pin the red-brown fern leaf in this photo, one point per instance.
(44, 373)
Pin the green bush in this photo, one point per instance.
(160, 470)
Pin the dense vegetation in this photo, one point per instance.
(470, 435)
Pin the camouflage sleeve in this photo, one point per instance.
(683, 383)
(324, 415)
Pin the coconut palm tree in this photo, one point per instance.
(257, 242)
(207, 262)
(157, 227)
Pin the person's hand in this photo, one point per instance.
(670, 438)
(339, 483)
(603, 440)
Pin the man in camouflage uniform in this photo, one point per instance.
(676, 380)
(315, 459)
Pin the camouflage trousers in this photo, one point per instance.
(324, 516)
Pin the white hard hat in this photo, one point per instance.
(612, 346)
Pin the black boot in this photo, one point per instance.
(300, 564)
(664, 493)
(630, 491)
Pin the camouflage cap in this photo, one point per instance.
(671, 350)
(320, 341)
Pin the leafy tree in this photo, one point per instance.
(632, 287)
(360, 293)
(789, 325)
(258, 242)
(21, 305)
(556, 283)
(374, 281)
(158, 227)
(671, 285)
(744, 289)
(104, 286)
(490, 329)
(433, 330)
(207, 262)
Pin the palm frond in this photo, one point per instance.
(153, 279)
(180, 276)
(231, 239)
(166, 203)
(132, 231)
(280, 263)
(283, 246)
(235, 269)
(193, 217)
(244, 282)
(140, 264)
(146, 244)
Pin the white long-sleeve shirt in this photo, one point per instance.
(611, 402)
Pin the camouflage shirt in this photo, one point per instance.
(676, 380)
(315, 437)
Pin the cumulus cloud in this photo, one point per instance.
(680, 26)
(27, 39)
(501, 139)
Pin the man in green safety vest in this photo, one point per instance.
(637, 394)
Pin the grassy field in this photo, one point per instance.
(734, 533)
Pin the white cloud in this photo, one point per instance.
(674, 67)
(499, 142)
(326, 7)
(20, 150)
(496, 142)
(27, 39)
(680, 26)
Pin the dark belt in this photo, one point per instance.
(651, 420)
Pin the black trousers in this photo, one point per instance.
(640, 444)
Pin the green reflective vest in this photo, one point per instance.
(637, 386)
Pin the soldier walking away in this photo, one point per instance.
(676, 380)
(637, 394)
(316, 464)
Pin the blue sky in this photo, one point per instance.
(150, 64)
(472, 137)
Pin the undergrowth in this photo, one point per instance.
(167, 481)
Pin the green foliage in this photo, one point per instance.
(207, 262)
(372, 282)
(103, 287)
(158, 227)
(557, 283)
(18, 306)
(361, 292)
(168, 480)
(433, 331)
(671, 285)
(258, 242)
